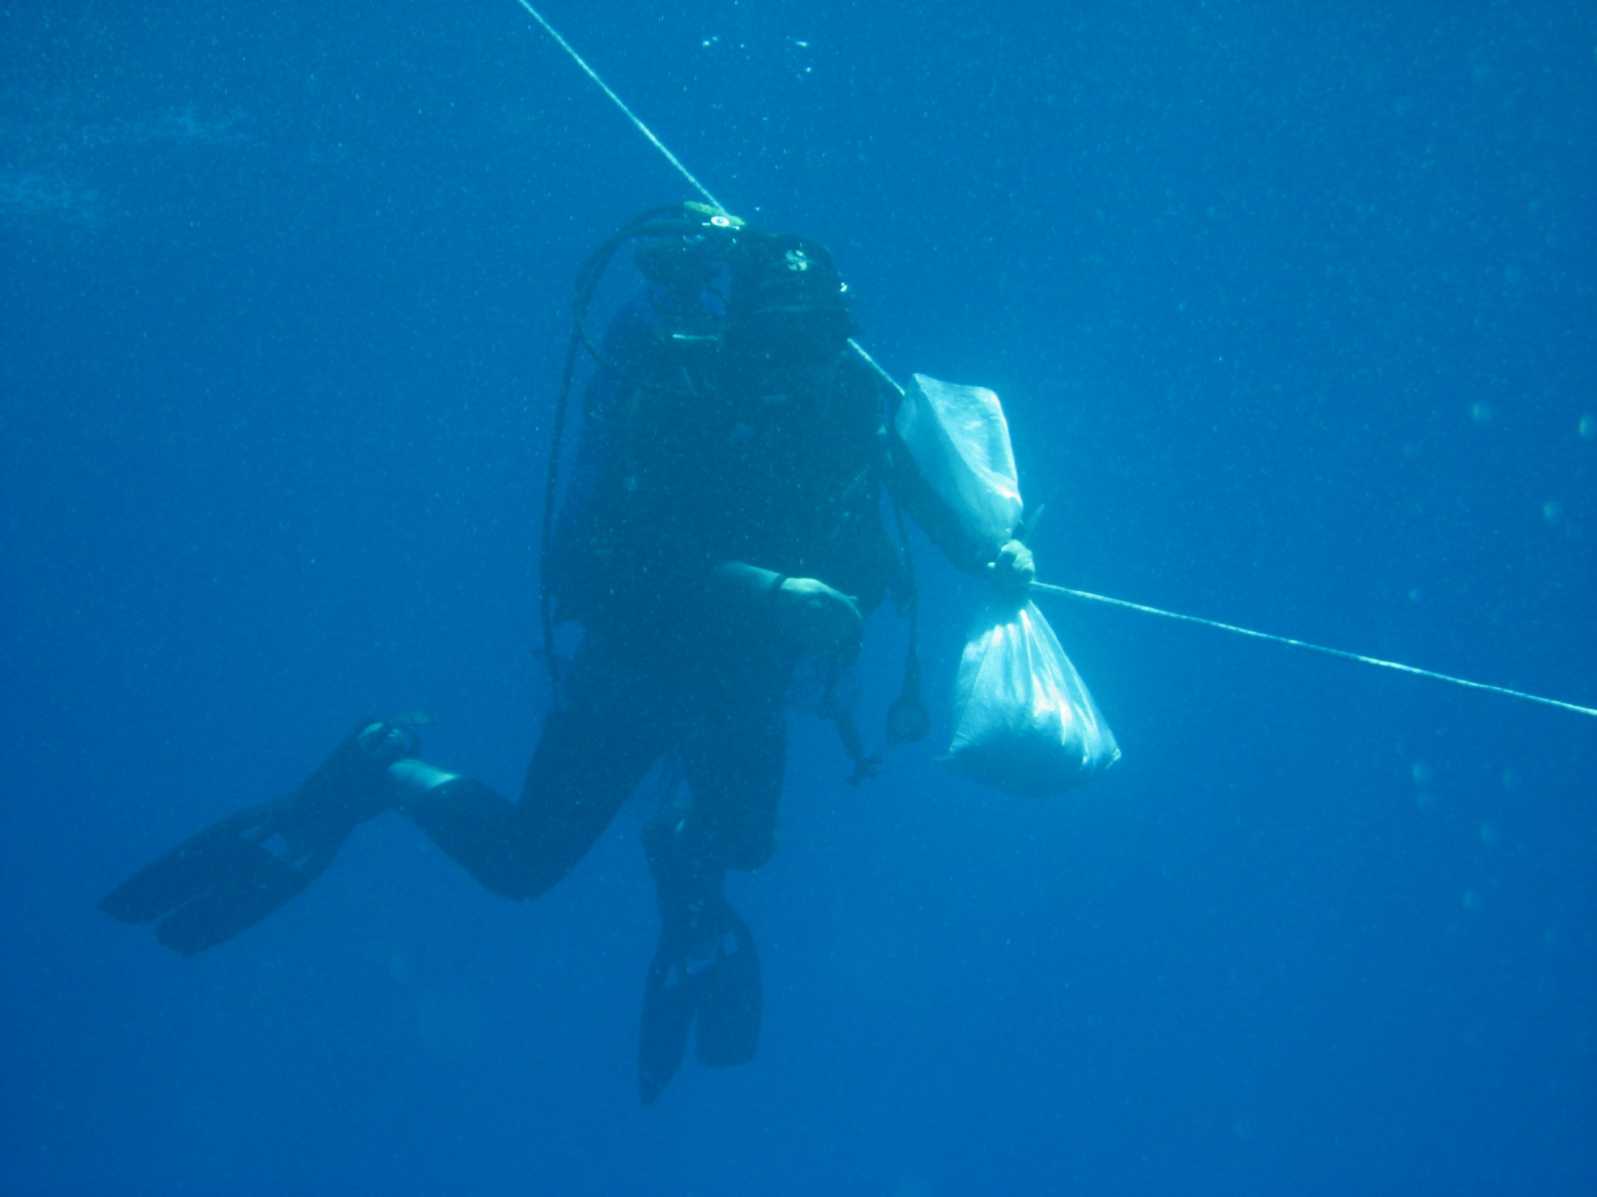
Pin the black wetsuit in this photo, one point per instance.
(700, 458)
(686, 464)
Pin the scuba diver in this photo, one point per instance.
(724, 525)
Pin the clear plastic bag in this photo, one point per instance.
(959, 441)
(1024, 721)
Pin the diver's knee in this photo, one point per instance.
(524, 886)
(514, 889)
(511, 881)
(527, 871)
(752, 852)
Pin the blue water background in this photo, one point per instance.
(1292, 309)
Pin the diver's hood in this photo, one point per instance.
(778, 272)
(784, 284)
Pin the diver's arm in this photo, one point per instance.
(815, 616)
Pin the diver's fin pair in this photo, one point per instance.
(714, 986)
(222, 880)
(237, 871)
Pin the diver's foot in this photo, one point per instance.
(222, 879)
(705, 973)
(352, 784)
(237, 871)
(731, 1000)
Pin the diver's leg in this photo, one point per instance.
(593, 751)
(237, 871)
(735, 766)
(733, 760)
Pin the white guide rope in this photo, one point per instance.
(1316, 648)
(705, 193)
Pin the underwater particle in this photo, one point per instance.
(402, 968)
(1510, 779)
(1488, 834)
(1470, 900)
(1552, 512)
(797, 51)
(1416, 596)
(1586, 427)
(1421, 774)
(1480, 412)
(31, 196)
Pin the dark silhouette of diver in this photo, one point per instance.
(724, 523)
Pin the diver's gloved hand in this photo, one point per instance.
(819, 618)
(1013, 570)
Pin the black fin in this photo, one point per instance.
(189, 869)
(731, 1000)
(670, 997)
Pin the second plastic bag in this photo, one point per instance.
(1024, 721)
